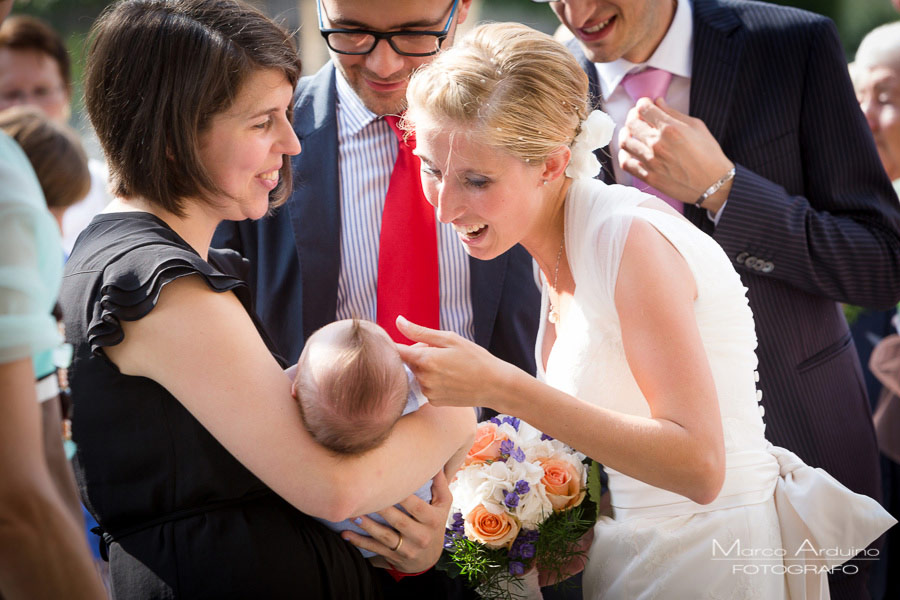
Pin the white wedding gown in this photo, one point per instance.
(660, 544)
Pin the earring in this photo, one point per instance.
(545, 182)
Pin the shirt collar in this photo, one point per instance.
(354, 114)
(673, 53)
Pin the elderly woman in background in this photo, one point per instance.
(876, 78)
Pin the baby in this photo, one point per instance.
(352, 388)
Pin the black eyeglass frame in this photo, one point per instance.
(377, 36)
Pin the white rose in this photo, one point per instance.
(553, 449)
(596, 132)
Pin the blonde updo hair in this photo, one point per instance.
(519, 88)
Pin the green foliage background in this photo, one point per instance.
(73, 18)
(853, 17)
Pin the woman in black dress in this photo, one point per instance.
(191, 452)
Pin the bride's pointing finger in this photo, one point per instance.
(418, 333)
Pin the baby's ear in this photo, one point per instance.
(294, 386)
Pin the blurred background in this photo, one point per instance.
(73, 18)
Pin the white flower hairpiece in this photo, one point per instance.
(596, 132)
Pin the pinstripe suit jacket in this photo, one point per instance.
(295, 254)
(811, 219)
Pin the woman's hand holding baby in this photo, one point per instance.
(414, 541)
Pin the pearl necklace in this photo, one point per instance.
(553, 316)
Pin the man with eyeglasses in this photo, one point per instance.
(754, 133)
(357, 237)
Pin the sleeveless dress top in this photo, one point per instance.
(659, 544)
(185, 519)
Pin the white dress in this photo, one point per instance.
(660, 544)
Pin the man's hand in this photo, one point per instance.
(419, 534)
(673, 152)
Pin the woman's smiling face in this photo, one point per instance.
(244, 146)
(492, 199)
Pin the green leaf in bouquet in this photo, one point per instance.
(593, 482)
(446, 564)
(473, 561)
(558, 545)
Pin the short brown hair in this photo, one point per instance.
(351, 405)
(24, 32)
(55, 153)
(157, 72)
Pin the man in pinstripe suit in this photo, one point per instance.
(808, 217)
(316, 259)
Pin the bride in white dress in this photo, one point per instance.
(646, 347)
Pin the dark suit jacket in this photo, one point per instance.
(295, 254)
(811, 219)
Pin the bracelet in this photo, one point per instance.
(398, 575)
(715, 187)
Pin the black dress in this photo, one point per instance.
(185, 518)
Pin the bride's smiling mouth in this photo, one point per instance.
(470, 233)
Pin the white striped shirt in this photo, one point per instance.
(367, 150)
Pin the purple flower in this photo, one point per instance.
(511, 500)
(522, 487)
(506, 447)
(448, 541)
(526, 550)
(530, 535)
(545, 437)
(495, 421)
(458, 523)
(518, 455)
(513, 421)
(516, 568)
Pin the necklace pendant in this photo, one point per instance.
(553, 317)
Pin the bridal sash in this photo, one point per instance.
(822, 523)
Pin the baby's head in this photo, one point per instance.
(351, 386)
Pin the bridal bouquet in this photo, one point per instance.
(519, 503)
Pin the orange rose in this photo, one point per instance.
(562, 482)
(494, 531)
(486, 446)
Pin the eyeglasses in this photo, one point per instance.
(405, 43)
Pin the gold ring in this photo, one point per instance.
(399, 542)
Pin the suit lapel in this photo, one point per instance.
(715, 63)
(314, 206)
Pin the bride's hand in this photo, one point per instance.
(453, 371)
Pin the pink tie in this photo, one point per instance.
(650, 83)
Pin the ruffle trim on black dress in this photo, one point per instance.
(131, 290)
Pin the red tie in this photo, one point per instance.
(650, 83)
(408, 282)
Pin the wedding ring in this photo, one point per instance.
(399, 542)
